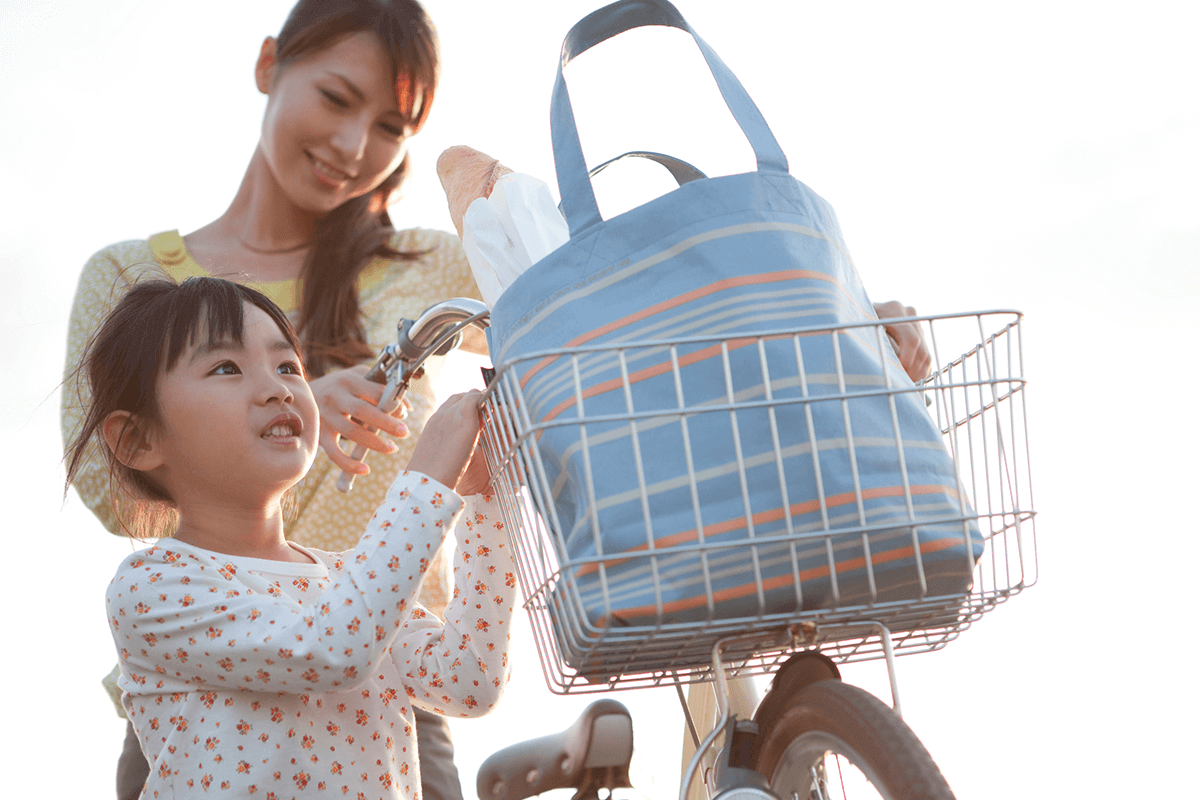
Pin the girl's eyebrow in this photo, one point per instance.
(208, 348)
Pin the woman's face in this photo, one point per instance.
(333, 129)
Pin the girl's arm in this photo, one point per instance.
(460, 668)
(182, 620)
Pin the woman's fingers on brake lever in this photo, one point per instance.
(330, 444)
(355, 430)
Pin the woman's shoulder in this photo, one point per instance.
(445, 271)
(132, 260)
(430, 243)
(409, 237)
(123, 254)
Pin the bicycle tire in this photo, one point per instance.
(833, 718)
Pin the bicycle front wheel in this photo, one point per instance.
(836, 740)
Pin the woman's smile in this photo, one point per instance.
(328, 174)
(333, 129)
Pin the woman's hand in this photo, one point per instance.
(907, 339)
(346, 394)
(449, 440)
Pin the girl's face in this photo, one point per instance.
(236, 421)
(333, 129)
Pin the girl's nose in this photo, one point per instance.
(275, 389)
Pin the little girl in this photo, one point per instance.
(251, 666)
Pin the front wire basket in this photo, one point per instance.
(976, 397)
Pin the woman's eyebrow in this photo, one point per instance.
(358, 93)
(350, 85)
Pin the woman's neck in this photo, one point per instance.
(262, 236)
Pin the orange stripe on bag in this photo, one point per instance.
(747, 589)
(763, 517)
(686, 297)
(647, 373)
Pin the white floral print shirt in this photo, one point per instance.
(241, 686)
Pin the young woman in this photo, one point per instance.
(249, 663)
(347, 83)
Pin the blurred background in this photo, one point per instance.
(1031, 155)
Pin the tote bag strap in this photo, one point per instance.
(574, 186)
(680, 170)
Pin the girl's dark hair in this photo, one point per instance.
(351, 235)
(141, 339)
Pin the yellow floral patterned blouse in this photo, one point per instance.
(323, 518)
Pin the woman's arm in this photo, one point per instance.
(182, 620)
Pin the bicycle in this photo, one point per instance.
(811, 729)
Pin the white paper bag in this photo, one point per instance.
(505, 234)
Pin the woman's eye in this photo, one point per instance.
(226, 368)
(290, 368)
(392, 129)
(336, 99)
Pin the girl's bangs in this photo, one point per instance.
(207, 311)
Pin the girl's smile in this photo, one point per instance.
(239, 421)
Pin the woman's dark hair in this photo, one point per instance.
(350, 236)
(141, 339)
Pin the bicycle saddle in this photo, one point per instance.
(590, 755)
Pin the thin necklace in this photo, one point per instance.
(273, 252)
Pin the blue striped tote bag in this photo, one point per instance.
(695, 466)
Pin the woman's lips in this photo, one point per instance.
(328, 174)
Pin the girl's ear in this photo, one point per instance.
(130, 441)
(264, 69)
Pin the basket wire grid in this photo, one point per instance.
(976, 396)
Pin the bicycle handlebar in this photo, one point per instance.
(436, 332)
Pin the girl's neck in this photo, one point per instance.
(249, 533)
(262, 236)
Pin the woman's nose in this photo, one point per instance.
(350, 139)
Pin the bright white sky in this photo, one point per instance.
(1034, 155)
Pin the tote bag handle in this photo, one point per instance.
(574, 185)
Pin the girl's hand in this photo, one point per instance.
(449, 439)
(477, 477)
(907, 339)
(346, 393)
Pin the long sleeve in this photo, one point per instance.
(183, 621)
(461, 668)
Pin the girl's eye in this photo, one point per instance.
(290, 368)
(392, 129)
(336, 99)
(226, 368)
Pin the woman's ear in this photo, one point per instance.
(264, 69)
(130, 441)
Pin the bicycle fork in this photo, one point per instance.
(734, 775)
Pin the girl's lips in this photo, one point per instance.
(284, 426)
